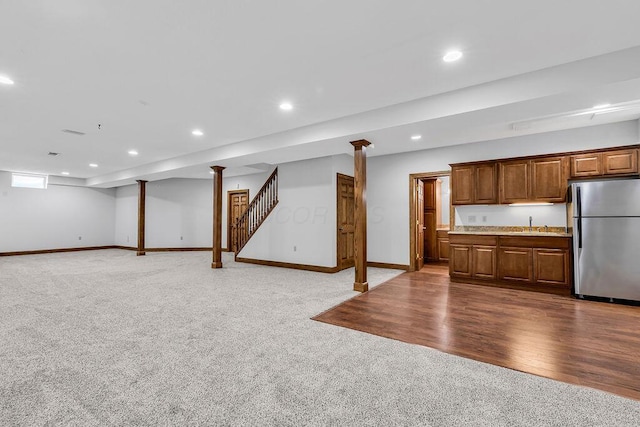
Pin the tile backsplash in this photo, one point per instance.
(513, 216)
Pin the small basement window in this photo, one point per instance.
(25, 180)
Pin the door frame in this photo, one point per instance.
(413, 194)
(229, 194)
(338, 175)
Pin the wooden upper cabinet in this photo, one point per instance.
(474, 184)
(536, 180)
(548, 179)
(486, 184)
(462, 186)
(605, 163)
(514, 181)
(620, 162)
(585, 165)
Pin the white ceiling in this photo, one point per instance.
(150, 71)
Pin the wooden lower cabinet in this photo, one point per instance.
(551, 266)
(483, 262)
(442, 240)
(516, 264)
(530, 262)
(460, 260)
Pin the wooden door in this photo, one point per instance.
(430, 220)
(346, 226)
(237, 203)
(420, 225)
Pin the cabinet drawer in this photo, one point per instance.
(473, 239)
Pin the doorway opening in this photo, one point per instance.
(237, 203)
(430, 218)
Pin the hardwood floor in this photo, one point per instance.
(589, 343)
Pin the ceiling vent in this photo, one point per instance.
(73, 132)
(51, 153)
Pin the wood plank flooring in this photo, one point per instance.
(589, 343)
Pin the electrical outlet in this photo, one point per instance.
(471, 218)
(295, 248)
(181, 238)
(79, 237)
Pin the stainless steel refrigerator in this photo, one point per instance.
(606, 238)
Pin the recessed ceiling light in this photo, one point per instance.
(93, 165)
(452, 55)
(133, 153)
(597, 107)
(286, 106)
(6, 80)
(65, 173)
(416, 137)
(197, 132)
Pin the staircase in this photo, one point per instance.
(257, 211)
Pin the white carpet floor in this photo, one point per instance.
(106, 338)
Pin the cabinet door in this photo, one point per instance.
(462, 185)
(551, 266)
(514, 181)
(484, 262)
(443, 249)
(516, 264)
(548, 180)
(584, 165)
(620, 162)
(460, 260)
(486, 184)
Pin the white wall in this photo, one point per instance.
(126, 216)
(302, 227)
(388, 178)
(54, 218)
(178, 213)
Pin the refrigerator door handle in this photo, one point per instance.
(579, 213)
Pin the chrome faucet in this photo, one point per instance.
(530, 223)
